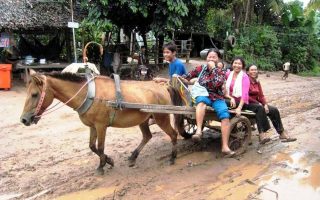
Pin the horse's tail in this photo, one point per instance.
(178, 119)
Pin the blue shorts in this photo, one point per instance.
(219, 106)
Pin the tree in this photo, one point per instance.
(142, 15)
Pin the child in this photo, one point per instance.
(175, 65)
(286, 68)
(220, 64)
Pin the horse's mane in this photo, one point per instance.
(67, 76)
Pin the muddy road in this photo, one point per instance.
(52, 160)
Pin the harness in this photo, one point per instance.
(119, 98)
(91, 93)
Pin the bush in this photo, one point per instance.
(259, 45)
(300, 47)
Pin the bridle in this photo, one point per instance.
(43, 94)
(50, 110)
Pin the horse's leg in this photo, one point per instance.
(144, 127)
(163, 121)
(101, 134)
(93, 139)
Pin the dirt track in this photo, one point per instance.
(52, 159)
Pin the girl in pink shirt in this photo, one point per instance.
(237, 85)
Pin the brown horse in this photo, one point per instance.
(43, 88)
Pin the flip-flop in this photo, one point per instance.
(228, 154)
(289, 139)
(265, 140)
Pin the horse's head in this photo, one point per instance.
(39, 97)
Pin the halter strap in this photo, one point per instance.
(43, 94)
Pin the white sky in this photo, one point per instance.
(305, 2)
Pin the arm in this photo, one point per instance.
(193, 73)
(160, 80)
(226, 95)
(262, 98)
(245, 89)
(245, 94)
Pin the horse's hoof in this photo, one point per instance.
(110, 161)
(131, 163)
(171, 161)
(100, 171)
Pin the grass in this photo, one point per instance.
(314, 72)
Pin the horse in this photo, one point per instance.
(44, 88)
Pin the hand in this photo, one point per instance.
(266, 108)
(192, 81)
(211, 64)
(158, 80)
(175, 75)
(238, 112)
(233, 103)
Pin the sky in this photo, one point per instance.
(305, 2)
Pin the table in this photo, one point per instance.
(40, 66)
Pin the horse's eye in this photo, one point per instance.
(34, 95)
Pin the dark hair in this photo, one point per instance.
(248, 68)
(171, 46)
(242, 61)
(215, 51)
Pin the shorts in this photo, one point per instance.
(219, 106)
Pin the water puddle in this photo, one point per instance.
(296, 176)
(89, 194)
(236, 182)
(286, 176)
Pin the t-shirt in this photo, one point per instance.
(177, 67)
(286, 66)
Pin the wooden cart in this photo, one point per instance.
(240, 128)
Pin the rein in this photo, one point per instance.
(50, 110)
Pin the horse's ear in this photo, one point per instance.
(37, 79)
(32, 72)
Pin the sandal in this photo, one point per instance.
(284, 137)
(289, 139)
(228, 154)
(197, 137)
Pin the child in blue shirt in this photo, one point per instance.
(175, 65)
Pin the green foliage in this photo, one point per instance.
(142, 15)
(300, 47)
(218, 23)
(314, 72)
(259, 45)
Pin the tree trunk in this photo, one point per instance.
(248, 12)
(237, 14)
(144, 37)
(160, 54)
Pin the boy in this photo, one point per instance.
(286, 68)
(175, 65)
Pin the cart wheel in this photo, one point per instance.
(240, 134)
(189, 128)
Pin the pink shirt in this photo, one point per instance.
(245, 88)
